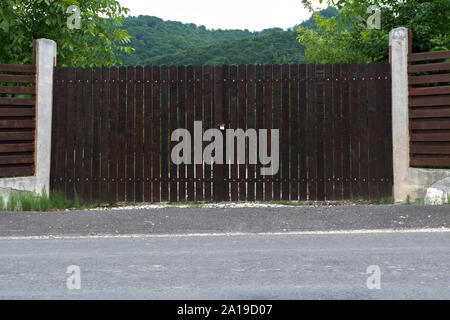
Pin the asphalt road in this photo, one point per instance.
(211, 220)
(302, 266)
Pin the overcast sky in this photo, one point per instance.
(253, 15)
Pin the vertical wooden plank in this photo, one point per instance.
(164, 134)
(337, 133)
(121, 129)
(79, 109)
(226, 121)
(148, 142)
(88, 122)
(97, 108)
(302, 142)
(312, 137)
(251, 79)
(277, 124)
(293, 124)
(105, 142)
(139, 135)
(156, 132)
(182, 124)
(233, 125)
(54, 185)
(70, 128)
(269, 111)
(61, 100)
(373, 133)
(53, 169)
(355, 130)
(242, 112)
(285, 122)
(346, 115)
(320, 132)
(363, 120)
(130, 133)
(190, 114)
(218, 169)
(328, 127)
(208, 83)
(382, 135)
(173, 120)
(259, 125)
(198, 78)
(113, 135)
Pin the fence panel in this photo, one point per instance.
(429, 109)
(113, 126)
(17, 120)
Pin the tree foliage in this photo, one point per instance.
(354, 42)
(96, 43)
(172, 43)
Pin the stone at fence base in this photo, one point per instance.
(438, 193)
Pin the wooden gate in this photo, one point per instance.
(112, 129)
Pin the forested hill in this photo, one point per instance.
(159, 42)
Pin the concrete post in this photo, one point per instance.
(45, 63)
(398, 42)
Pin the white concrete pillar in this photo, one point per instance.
(398, 41)
(45, 63)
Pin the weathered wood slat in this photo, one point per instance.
(234, 169)
(16, 159)
(190, 114)
(430, 149)
(337, 132)
(429, 101)
(15, 78)
(17, 90)
(16, 171)
(429, 56)
(148, 143)
(139, 135)
(17, 68)
(435, 78)
(130, 134)
(17, 147)
(17, 124)
(218, 177)
(173, 125)
(165, 157)
(293, 119)
(17, 101)
(431, 113)
(430, 125)
(431, 162)
(17, 112)
(429, 67)
(198, 98)
(251, 124)
(429, 91)
(15, 136)
(242, 124)
(433, 137)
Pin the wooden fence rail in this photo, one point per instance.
(112, 130)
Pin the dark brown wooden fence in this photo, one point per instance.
(17, 120)
(112, 129)
(429, 109)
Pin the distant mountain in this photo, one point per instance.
(159, 42)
